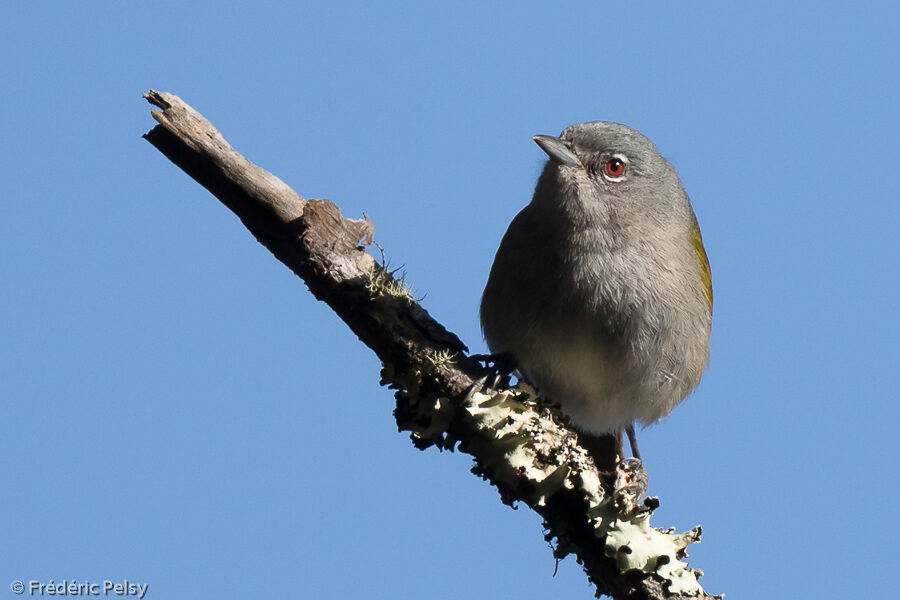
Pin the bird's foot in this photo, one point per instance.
(497, 370)
(631, 482)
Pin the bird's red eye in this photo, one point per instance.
(614, 167)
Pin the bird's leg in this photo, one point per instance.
(620, 450)
(634, 463)
(632, 440)
(632, 480)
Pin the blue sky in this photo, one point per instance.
(178, 411)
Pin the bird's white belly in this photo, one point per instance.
(602, 388)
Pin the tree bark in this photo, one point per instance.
(521, 446)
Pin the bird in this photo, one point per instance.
(600, 293)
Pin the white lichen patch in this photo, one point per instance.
(505, 418)
(519, 452)
(636, 545)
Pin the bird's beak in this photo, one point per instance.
(557, 150)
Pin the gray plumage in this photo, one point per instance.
(600, 287)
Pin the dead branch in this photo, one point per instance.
(519, 445)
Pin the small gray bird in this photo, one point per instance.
(601, 291)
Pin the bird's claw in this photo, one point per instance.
(497, 371)
(631, 481)
(631, 464)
